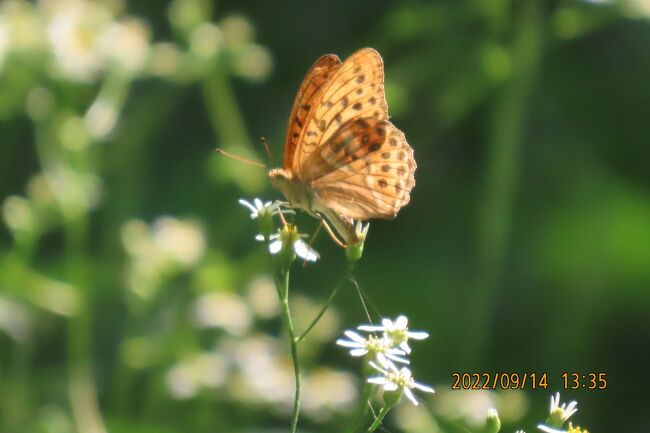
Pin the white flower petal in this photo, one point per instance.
(259, 238)
(370, 328)
(275, 246)
(555, 401)
(304, 251)
(423, 387)
(358, 352)
(391, 366)
(378, 368)
(258, 203)
(401, 322)
(396, 358)
(390, 386)
(355, 337)
(405, 347)
(248, 205)
(346, 343)
(379, 380)
(417, 335)
(388, 324)
(542, 427)
(570, 409)
(410, 396)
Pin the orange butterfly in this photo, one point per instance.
(343, 159)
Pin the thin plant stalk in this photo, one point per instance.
(380, 417)
(282, 285)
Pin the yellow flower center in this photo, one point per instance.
(576, 429)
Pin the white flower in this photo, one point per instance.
(520, 431)
(73, 33)
(126, 44)
(492, 413)
(393, 379)
(381, 347)
(563, 411)
(260, 209)
(397, 331)
(289, 235)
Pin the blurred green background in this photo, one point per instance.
(133, 297)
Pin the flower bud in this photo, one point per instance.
(492, 422)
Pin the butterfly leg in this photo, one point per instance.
(331, 232)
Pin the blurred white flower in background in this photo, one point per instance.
(186, 378)
(639, 7)
(101, 117)
(413, 419)
(206, 40)
(222, 310)
(125, 44)
(4, 41)
(24, 26)
(76, 192)
(15, 319)
(164, 59)
(304, 310)
(262, 297)
(237, 30)
(73, 33)
(253, 62)
(327, 393)
(19, 215)
(161, 250)
(263, 373)
(466, 405)
(181, 241)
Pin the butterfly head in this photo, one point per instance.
(297, 192)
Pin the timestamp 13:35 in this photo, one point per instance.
(526, 380)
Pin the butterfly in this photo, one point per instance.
(343, 159)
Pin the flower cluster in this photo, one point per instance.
(381, 353)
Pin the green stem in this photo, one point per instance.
(382, 413)
(81, 384)
(319, 315)
(282, 285)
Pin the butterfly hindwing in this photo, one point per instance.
(365, 170)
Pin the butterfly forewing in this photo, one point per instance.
(304, 107)
(355, 90)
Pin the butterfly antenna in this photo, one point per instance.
(266, 148)
(239, 158)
